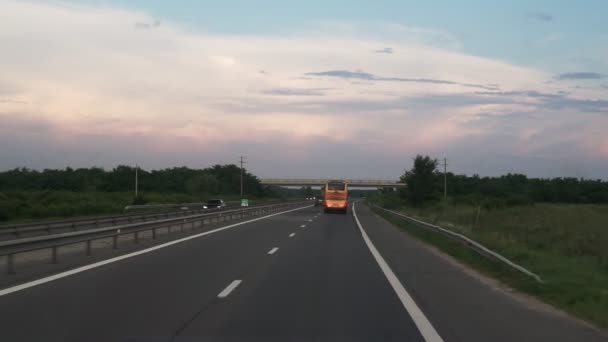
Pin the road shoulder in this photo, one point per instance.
(463, 304)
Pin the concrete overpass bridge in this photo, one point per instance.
(355, 183)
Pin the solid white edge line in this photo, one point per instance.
(425, 327)
(229, 289)
(292, 234)
(272, 251)
(41, 281)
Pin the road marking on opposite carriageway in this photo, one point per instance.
(229, 289)
(57, 276)
(425, 327)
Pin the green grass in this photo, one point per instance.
(565, 245)
(23, 206)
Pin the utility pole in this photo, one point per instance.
(242, 162)
(445, 178)
(136, 180)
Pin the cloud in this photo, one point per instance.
(541, 16)
(12, 101)
(527, 93)
(296, 92)
(555, 101)
(108, 93)
(154, 24)
(580, 76)
(360, 75)
(385, 50)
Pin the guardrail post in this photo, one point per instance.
(115, 242)
(10, 264)
(88, 247)
(136, 237)
(74, 226)
(181, 227)
(54, 258)
(48, 228)
(130, 219)
(153, 233)
(114, 221)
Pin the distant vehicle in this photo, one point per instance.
(215, 204)
(335, 194)
(319, 202)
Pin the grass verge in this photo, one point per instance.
(578, 285)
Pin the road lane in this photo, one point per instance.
(149, 296)
(324, 286)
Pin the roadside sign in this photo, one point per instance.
(244, 202)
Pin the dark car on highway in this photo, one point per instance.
(319, 202)
(215, 204)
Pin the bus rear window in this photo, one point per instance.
(336, 186)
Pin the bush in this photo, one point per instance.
(518, 200)
(139, 200)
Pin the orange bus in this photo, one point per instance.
(335, 195)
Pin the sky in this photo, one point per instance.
(331, 89)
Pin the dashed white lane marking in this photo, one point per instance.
(272, 251)
(292, 234)
(303, 226)
(229, 289)
(310, 220)
(53, 277)
(425, 327)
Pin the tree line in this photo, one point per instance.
(215, 180)
(425, 184)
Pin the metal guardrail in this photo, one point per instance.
(92, 222)
(474, 245)
(54, 242)
(193, 205)
(163, 206)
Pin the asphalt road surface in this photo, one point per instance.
(297, 276)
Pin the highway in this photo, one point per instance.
(297, 276)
